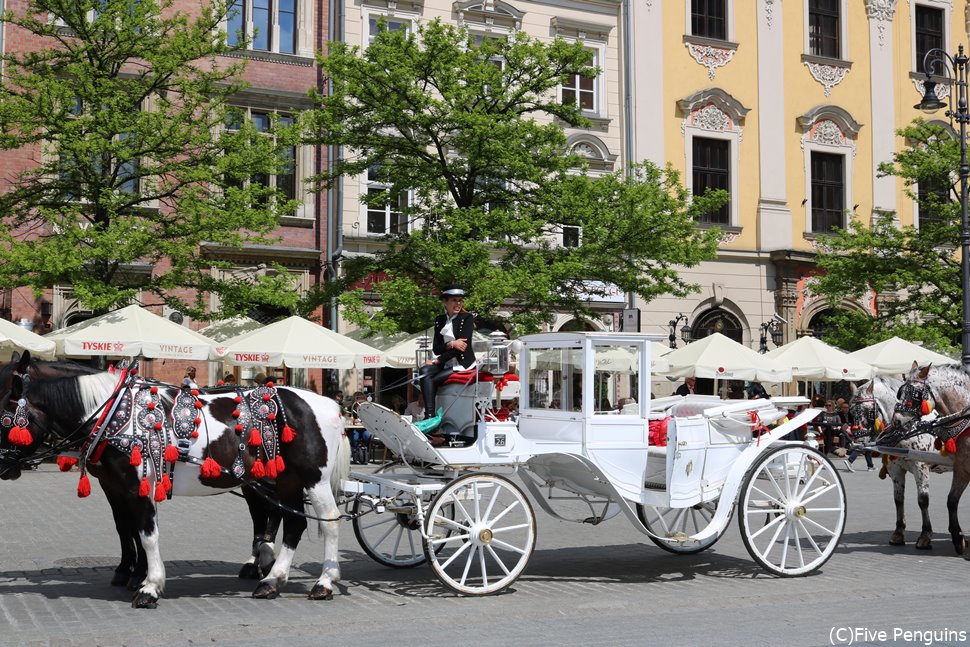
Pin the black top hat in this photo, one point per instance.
(452, 291)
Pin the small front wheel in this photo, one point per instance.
(481, 533)
(792, 510)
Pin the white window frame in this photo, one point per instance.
(366, 184)
(848, 152)
(947, 7)
(303, 159)
(304, 28)
(728, 16)
(599, 82)
(409, 19)
(843, 30)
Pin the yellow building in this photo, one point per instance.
(791, 106)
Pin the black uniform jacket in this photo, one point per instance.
(463, 326)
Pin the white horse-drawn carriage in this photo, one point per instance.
(675, 467)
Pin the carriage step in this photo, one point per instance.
(648, 485)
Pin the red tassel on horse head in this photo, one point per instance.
(287, 434)
(83, 486)
(255, 439)
(135, 456)
(65, 463)
(20, 436)
(257, 469)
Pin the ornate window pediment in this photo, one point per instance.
(489, 13)
(592, 149)
(713, 109)
(829, 126)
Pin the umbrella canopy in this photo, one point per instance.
(719, 357)
(130, 332)
(896, 356)
(813, 359)
(298, 343)
(15, 338)
(658, 353)
(225, 329)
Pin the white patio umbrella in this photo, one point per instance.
(225, 329)
(721, 358)
(298, 343)
(15, 338)
(658, 353)
(895, 356)
(813, 359)
(131, 332)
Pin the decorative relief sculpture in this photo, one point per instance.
(710, 57)
(828, 75)
(827, 133)
(882, 12)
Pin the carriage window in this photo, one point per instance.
(556, 379)
(615, 382)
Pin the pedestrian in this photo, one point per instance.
(415, 409)
(687, 388)
(757, 392)
(189, 379)
(229, 379)
(829, 422)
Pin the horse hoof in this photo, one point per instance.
(924, 543)
(144, 600)
(249, 571)
(320, 592)
(121, 578)
(897, 539)
(266, 591)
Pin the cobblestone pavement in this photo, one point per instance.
(585, 585)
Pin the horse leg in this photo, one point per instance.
(325, 507)
(921, 473)
(961, 477)
(294, 526)
(266, 522)
(898, 475)
(129, 552)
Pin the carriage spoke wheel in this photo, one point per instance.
(481, 534)
(672, 526)
(392, 538)
(792, 510)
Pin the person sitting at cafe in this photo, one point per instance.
(415, 409)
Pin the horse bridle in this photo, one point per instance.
(864, 417)
(911, 397)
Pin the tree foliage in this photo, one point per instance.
(138, 156)
(913, 270)
(473, 129)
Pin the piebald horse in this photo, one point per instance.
(301, 436)
(946, 390)
(871, 410)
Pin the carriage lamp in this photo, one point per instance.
(423, 353)
(498, 356)
(954, 70)
(685, 332)
(773, 329)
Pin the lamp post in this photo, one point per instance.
(954, 69)
(685, 332)
(772, 328)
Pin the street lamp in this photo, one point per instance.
(685, 332)
(954, 69)
(772, 328)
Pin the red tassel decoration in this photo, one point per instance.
(111, 369)
(65, 463)
(255, 439)
(198, 404)
(20, 436)
(220, 383)
(144, 488)
(271, 469)
(210, 469)
(166, 483)
(950, 446)
(280, 465)
(159, 493)
(925, 408)
(83, 486)
(171, 454)
(135, 457)
(266, 397)
(287, 434)
(271, 416)
(257, 469)
(153, 390)
(270, 384)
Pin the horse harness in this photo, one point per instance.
(917, 398)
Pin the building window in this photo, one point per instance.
(824, 28)
(390, 24)
(286, 180)
(933, 195)
(708, 19)
(570, 236)
(580, 91)
(928, 34)
(385, 213)
(267, 25)
(711, 171)
(828, 192)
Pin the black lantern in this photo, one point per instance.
(773, 329)
(685, 331)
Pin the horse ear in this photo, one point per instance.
(923, 372)
(24, 362)
(914, 366)
(16, 387)
(15, 357)
(869, 388)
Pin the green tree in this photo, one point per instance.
(914, 271)
(474, 130)
(138, 155)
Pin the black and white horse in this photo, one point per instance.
(46, 403)
(871, 410)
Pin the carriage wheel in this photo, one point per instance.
(392, 538)
(482, 532)
(670, 526)
(792, 510)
